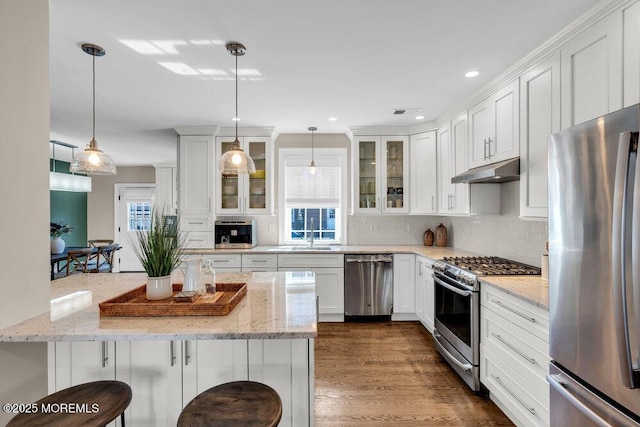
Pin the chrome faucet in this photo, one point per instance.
(310, 239)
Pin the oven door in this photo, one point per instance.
(457, 317)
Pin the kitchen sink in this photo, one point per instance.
(302, 248)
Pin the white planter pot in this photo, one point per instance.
(57, 245)
(159, 288)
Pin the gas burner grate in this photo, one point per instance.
(493, 266)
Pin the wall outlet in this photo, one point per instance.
(374, 227)
(271, 227)
(409, 227)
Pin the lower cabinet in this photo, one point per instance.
(165, 375)
(329, 278)
(404, 287)
(514, 352)
(425, 292)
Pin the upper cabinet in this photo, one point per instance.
(631, 53)
(424, 173)
(381, 170)
(452, 159)
(166, 194)
(494, 127)
(591, 72)
(195, 192)
(242, 193)
(540, 115)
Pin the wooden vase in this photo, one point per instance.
(441, 235)
(427, 237)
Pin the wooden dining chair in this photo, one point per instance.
(100, 242)
(77, 261)
(102, 261)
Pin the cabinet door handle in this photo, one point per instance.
(484, 149)
(514, 348)
(433, 203)
(244, 204)
(453, 202)
(195, 222)
(187, 354)
(489, 148)
(259, 260)
(105, 354)
(514, 311)
(515, 396)
(172, 352)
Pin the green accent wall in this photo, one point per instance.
(69, 207)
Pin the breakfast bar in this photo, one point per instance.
(268, 337)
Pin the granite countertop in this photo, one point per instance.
(433, 252)
(528, 288)
(277, 305)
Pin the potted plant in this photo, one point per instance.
(57, 230)
(159, 250)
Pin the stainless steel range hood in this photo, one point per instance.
(507, 170)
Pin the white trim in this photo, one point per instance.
(116, 212)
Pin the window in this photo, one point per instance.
(138, 216)
(313, 203)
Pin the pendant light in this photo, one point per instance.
(312, 166)
(93, 161)
(236, 161)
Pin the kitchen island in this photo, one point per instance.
(268, 337)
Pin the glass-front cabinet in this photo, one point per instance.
(245, 194)
(382, 173)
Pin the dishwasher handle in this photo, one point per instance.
(385, 259)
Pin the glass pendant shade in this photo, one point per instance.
(236, 161)
(92, 161)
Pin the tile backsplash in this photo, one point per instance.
(504, 235)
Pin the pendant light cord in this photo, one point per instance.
(312, 146)
(236, 142)
(94, 98)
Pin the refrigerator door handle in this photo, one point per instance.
(618, 262)
(556, 383)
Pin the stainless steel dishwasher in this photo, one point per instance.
(368, 287)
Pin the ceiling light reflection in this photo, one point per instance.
(179, 68)
(142, 46)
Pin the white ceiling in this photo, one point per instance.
(357, 60)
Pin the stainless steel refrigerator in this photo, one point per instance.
(594, 272)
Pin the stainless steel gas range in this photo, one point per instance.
(457, 308)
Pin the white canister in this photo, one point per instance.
(544, 262)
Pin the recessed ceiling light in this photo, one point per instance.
(333, 119)
(472, 73)
(235, 119)
(419, 117)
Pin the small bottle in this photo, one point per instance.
(209, 285)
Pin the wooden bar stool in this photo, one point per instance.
(91, 404)
(238, 403)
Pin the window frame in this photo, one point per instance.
(284, 213)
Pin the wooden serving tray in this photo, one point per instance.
(134, 303)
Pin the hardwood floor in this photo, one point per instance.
(387, 374)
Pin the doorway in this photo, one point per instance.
(134, 203)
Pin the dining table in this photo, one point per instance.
(62, 256)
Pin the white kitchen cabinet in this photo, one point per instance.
(591, 72)
(514, 353)
(166, 191)
(451, 146)
(224, 263)
(208, 363)
(425, 292)
(153, 370)
(78, 362)
(287, 366)
(381, 174)
(423, 172)
(404, 287)
(494, 124)
(243, 193)
(329, 277)
(195, 195)
(259, 262)
(540, 115)
(631, 55)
